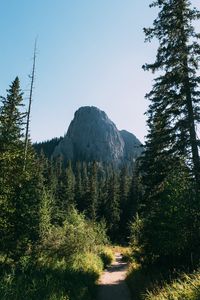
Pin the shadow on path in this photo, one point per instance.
(112, 285)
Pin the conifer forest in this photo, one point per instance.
(63, 221)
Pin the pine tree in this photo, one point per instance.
(92, 198)
(79, 187)
(112, 205)
(175, 94)
(172, 147)
(64, 194)
(70, 184)
(124, 188)
(11, 133)
(11, 152)
(20, 191)
(86, 187)
(135, 193)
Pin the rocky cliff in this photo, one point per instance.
(93, 136)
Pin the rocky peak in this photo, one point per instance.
(93, 136)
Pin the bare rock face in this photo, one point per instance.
(133, 147)
(93, 136)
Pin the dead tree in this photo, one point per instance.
(32, 77)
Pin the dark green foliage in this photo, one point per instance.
(20, 190)
(170, 166)
(64, 189)
(49, 283)
(124, 193)
(47, 147)
(67, 264)
(94, 190)
(79, 187)
(70, 184)
(168, 231)
(112, 206)
(174, 109)
(92, 196)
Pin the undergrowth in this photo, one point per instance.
(187, 287)
(66, 265)
(153, 283)
(107, 256)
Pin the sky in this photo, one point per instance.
(89, 52)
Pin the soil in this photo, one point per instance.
(112, 285)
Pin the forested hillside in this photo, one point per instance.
(47, 147)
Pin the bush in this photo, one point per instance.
(89, 262)
(67, 265)
(76, 236)
(127, 255)
(107, 257)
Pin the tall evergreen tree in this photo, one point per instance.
(124, 189)
(86, 186)
(92, 199)
(175, 94)
(172, 141)
(19, 191)
(112, 205)
(79, 187)
(70, 184)
(64, 190)
(11, 152)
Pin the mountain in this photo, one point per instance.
(133, 147)
(93, 136)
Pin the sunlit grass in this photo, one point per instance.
(54, 279)
(107, 256)
(152, 283)
(185, 288)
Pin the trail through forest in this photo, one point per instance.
(112, 285)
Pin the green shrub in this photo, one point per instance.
(106, 256)
(88, 262)
(127, 255)
(66, 267)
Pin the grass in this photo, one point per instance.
(141, 279)
(153, 283)
(185, 288)
(53, 279)
(107, 256)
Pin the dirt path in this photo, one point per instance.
(112, 285)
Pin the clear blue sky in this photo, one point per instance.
(90, 52)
